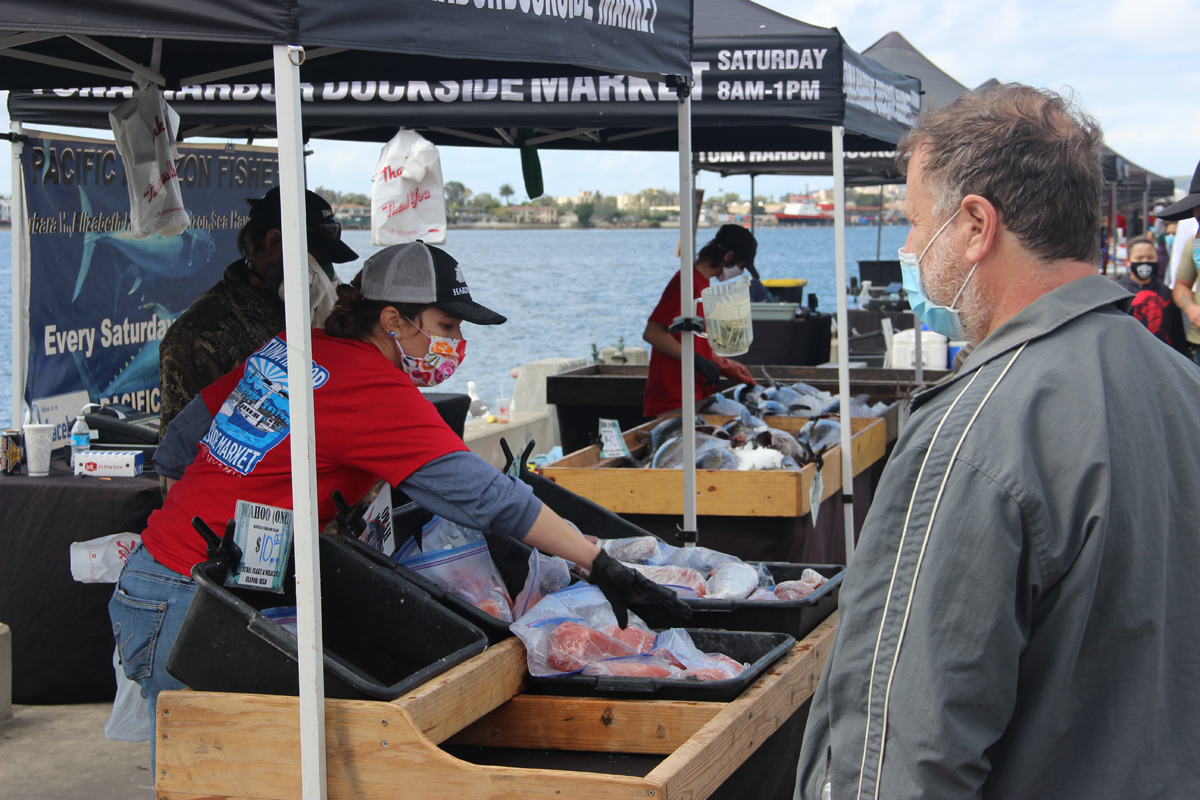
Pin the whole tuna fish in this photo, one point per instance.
(670, 454)
(821, 434)
(717, 458)
(773, 408)
(722, 405)
(779, 440)
(734, 581)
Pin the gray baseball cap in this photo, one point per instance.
(420, 273)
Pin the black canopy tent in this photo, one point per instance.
(209, 40)
(761, 78)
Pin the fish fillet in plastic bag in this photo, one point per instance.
(677, 648)
(640, 639)
(793, 590)
(701, 559)
(633, 667)
(458, 560)
(763, 594)
(634, 550)
(581, 605)
(547, 574)
(733, 581)
(813, 578)
(574, 645)
(684, 581)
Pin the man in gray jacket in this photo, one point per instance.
(1020, 618)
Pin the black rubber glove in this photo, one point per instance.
(622, 586)
(706, 370)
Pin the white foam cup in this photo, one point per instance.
(37, 449)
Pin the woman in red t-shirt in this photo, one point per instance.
(394, 328)
(732, 248)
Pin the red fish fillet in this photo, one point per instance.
(640, 639)
(574, 646)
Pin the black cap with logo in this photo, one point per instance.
(324, 231)
(420, 273)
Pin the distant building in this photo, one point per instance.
(535, 215)
(353, 215)
(6, 209)
(628, 202)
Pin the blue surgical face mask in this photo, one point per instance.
(1170, 241)
(943, 319)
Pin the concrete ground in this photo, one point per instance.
(60, 752)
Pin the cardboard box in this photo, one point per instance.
(109, 463)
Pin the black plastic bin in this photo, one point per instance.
(759, 650)
(382, 635)
(797, 618)
(510, 556)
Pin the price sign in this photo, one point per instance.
(265, 535)
(612, 443)
(814, 494)
(378, 532)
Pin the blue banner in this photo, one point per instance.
(100, 300)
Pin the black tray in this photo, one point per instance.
(797, 618)
(760, 650)
(510, 556)
(382, 635)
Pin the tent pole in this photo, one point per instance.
(751, 202)
(20, 283)
(687, 341)
(879, 226)
(303, 436)
(843, 323)
(1146, 207)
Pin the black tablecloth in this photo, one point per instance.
(61, 634)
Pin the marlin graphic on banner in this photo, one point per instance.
(255, 417)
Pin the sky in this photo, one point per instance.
(1131, 64)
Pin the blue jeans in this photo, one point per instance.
(147, 610)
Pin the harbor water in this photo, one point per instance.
(563, 290)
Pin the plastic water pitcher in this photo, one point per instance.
(727, 322)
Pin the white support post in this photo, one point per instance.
(303, 437)
(20, 283)
(687, 202)
(839, 249)
(751, 202)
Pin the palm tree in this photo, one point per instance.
(506, 192)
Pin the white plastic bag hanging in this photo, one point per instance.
(407, 199)
(145, 129)
(130, 719)
(101, 560)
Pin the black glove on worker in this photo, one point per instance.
(706, 370)
(622, 586)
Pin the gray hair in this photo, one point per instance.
(1032, 153)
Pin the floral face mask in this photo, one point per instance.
(438, 364)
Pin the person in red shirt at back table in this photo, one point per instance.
(732, 249)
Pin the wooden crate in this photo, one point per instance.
(726, 493)
(247, 747)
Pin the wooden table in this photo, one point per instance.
(248, 747)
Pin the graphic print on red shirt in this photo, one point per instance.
(371, 423)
